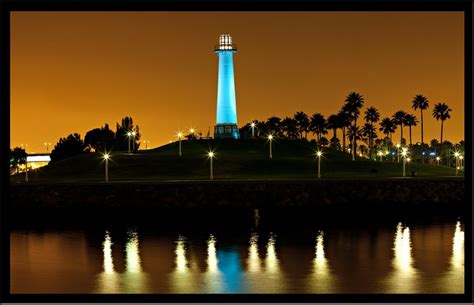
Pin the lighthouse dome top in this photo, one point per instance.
(225, 43)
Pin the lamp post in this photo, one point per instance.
(180, 135)
(319, 154)
(461, 165)
(252, 125)
(133, 143)
(380, 154)
(211, 173)
(456, 156)
(398, 152)
(129, 134)
(106, 159)
(26, 168)
(404, 156)
(437, 160)
(146, 143)
(270, 138)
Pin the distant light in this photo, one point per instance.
(456, 154)
(432, 153)
(191, 130)
(408, 159)
(180, 135)
(129, 133)
(106, 156)
(393, 153)
(319, 153)
(379, 153)
(404, 151)
(43, 158)
(398, 145)
(438, 158)
(252, 124)
(211, 154)
(134, 133)
(270, 137)
(423, 153)
(461, 157)
(386, 152)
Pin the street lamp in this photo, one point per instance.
(133, 143)
(437, 160)
(319, 154)
(252, 125)
(270, 138)
(456, 155)
(380, 154)
(106, 157)
(461, 165)
(129, 134)
(180, 135)
(398, 152)
(210, 155)
(404, 155)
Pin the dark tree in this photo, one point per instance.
(100, 139)
(318, 125)
(302, 122)
(17, 157)
(388, 127)
(344, 123)
(333, 123)
(68, 147)
(353, 103)
(399, 119)
(273, 126)
(371, 117)
(410, 121)
(123, 135)
(441, 112)
(422, 103)
(290, 127)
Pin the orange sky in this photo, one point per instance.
(72, 72)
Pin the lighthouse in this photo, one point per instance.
(226, 112)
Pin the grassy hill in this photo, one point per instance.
(243, 159)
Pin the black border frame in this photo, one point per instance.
(7, 6)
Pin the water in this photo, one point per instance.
(391, 258)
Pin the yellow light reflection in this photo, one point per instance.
(181, 261)
(253, 261)
(457, 259)
(453, 280)
(213, 275)
(183, 279)
(321, 280)
(108, 280)
(272, 264)
(404, 275)
(135, 279)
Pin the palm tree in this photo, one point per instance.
(290, 127)
(302, 122)
(273, 125)
(399, 119)
(422, 103)
(353, 103)
(318, 125)
(344, 122)
(369, 132)
(410, 120)
(354, 133)
(388, 127)
(372, 115)
(333, 123)
(441, 112)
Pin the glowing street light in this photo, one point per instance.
(133, 143)
(437, 160)
(270, 138)
(252, 125)
(47, 146)
(398, 152)
(319, 154)
(106, 157)
(456, 155)
(211, 155)
(129, 135)
(461, 165)
(404, 155)
(380, 154)
(180, 136)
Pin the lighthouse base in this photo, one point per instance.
(226, 131)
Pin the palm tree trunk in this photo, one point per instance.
(410, 133)
(441, 132)
(401, 133)
(421, 116)
(344, 138)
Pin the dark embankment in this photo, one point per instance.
(339, 198)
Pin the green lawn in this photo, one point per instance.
(243, 159)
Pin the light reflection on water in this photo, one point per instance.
(258, 265)
(403, 277)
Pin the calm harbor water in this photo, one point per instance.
(390, 258)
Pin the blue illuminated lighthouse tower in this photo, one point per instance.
(226, 114)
